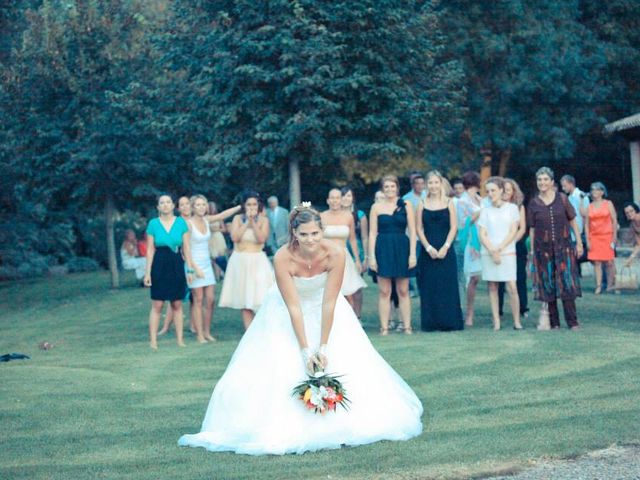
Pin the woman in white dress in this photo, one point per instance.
(304, 321)
(498, 224)
(340, 227)
(249, 273)
(203, 289)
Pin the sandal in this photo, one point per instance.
(598, 290)
(384, 332)
(408, 331)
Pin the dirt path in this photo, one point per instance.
(613, 463)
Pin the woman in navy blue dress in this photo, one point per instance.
(392, 253)
(437, 269)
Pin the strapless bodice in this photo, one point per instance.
(311, 288)
(336, 231)
(249, 236)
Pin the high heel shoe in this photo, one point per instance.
(518, 327)
(384, 332)
(598, 290)
(408, 331)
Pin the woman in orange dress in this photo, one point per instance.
(601, 228)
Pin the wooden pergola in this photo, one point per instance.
(629, 127)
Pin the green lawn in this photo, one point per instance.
(101, 404)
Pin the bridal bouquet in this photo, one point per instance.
(322, 392)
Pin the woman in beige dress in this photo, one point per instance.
(338, 226)
(249, 273)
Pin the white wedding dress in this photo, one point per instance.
(252, 410)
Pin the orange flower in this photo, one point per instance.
(307, 395)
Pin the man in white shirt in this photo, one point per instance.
(418, 191)
(578, 200)
(278, 223)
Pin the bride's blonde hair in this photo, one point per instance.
(301, 214)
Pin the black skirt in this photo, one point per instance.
(168, 279)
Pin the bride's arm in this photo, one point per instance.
(331, 291)
(290, 295)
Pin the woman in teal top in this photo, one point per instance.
(168, 238)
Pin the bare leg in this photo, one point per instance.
(495, 308)
(247, 317)
(192, 325)
(350, 300)
(597, 268)
(471, 297)
(196, 312)
(384, 303)
(611, 275)
(168, 320)
(154, 321)
(176, 305)
(217, 271)
(209, 305)
(514, 300)
(404, 301)
(357, 303)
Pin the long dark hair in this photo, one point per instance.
(248, 194)
(354, 208)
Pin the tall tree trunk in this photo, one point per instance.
(294, 182)
(485, 168)
(111, 242)
(505, 156)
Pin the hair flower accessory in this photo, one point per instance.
(303, 205)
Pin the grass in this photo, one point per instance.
(102, 405)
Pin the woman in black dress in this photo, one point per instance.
(437, 268)
(392, 255)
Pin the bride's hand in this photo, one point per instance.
(321, 357)
(309, 360)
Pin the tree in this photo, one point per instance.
(80, 130)
(284, 84)
(534, 78)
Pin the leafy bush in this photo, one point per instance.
(82, 264)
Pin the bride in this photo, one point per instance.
(305, 322)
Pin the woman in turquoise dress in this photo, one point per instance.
(168, 239)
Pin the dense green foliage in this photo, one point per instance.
(104, 103)
(102, 405)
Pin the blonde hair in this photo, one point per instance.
(194, 198)
(518, 196)
(445, 188)
(390, 178)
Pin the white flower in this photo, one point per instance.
(318, 395)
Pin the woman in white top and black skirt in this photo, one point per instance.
(168, 239)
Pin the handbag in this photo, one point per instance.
(626, 280)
